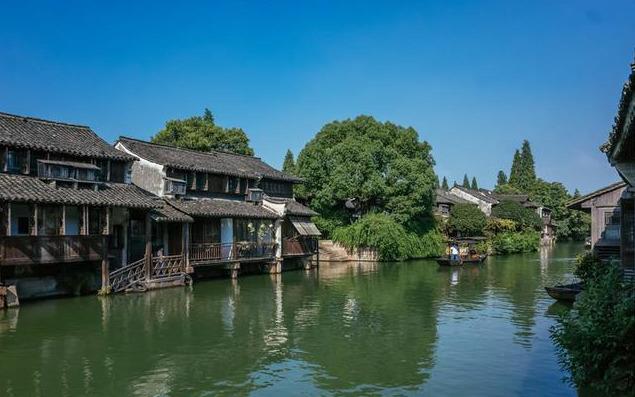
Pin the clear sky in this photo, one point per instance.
(474, 78)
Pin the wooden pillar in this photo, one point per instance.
(36, 220)
(28, 162)
(6, 159)
(105, 264)
(108, 171)
(148, 252)
(185, 247)
(9, 219)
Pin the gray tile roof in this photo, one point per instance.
(445, 197)
(293, 207)
(168, 213)
(212, 162)
(624, 122)
(24, 188)
(215, 208)
(484, 196)
(77, 140)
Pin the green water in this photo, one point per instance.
(407, 328)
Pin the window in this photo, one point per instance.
(16, 161)
(612, 217)
(173, 186)
(191, 176)
(118, 170)
(215, 183)
(233, 184)
(201, 181)
(94, 221)
(21, 218)
(49, 220)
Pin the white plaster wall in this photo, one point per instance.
(146, 174)
(485, 207)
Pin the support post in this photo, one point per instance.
(148, 252)
(185, 250)
(105, 264)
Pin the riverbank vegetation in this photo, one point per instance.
(596, 339)
(373, 185)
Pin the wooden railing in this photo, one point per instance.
(126, 276)
(25, 250)
(227, 252)
(294, 246)
(166, 266)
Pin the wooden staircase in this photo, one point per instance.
(331, 252)
(165, 271)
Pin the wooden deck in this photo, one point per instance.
(27, 250)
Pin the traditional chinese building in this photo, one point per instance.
(620, 151)
(243, 210)
(68, 210)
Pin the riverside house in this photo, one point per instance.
(620, 151)
(244, 214)
(486, 200)
(68, 210)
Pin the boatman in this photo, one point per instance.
(454, 253)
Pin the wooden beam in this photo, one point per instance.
(36, 219)
(63, 220)
(148, 251)
(9, 219)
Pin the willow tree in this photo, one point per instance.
(202, 133)
(372, 166)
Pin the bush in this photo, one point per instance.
(589, 266)
(515, 242)
(596, 339)
(466, 220)
(525, 218)
(389, 238)
(496, 225)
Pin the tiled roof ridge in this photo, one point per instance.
(188, 150)
(44, 121)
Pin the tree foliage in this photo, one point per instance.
(571, 224)
(474, 185)
(523, 172)
(382, 165)
(288, 165)
(201, 133)
(501, 178)
(525, 218)
(466, 220)
(466, 182)
(391, 240)
(516, 242)
(596, 340)
(444, 184)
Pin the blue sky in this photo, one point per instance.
(474, 78)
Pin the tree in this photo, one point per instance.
(501, 179)
(437, 184)
(444, 184)
(288, 165)
(201, 133)
(523, 172)
(466, 220)
(466, 182)
(525, 218)
(382, 166)
(515, 173)
(474, 184)
(571, 224)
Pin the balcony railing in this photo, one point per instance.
(25, 250)
(294, 246)
(228, 252)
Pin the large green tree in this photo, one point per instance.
(466, 220)
(382, 167)
(523, 172)
(201, 133)
(288, 165)
(571, 224)
(444, 184)
(474, 183)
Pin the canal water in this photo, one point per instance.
(408, 328)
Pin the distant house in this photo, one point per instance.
(444, 202)
(486, 200)
(482, 199)
(620, 151)
(604, 207)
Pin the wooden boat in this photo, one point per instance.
(566, 292)
(446, 261)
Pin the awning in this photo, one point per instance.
(305, 227)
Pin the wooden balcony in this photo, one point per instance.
(26, 250)
(209, 253)
(297, 247)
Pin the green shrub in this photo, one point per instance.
(496, 225)
(515, 242)
(389, 238)
(466, 220)
(596, 339)
(589, 266)
(525, 218)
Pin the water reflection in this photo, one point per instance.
(360, 328)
